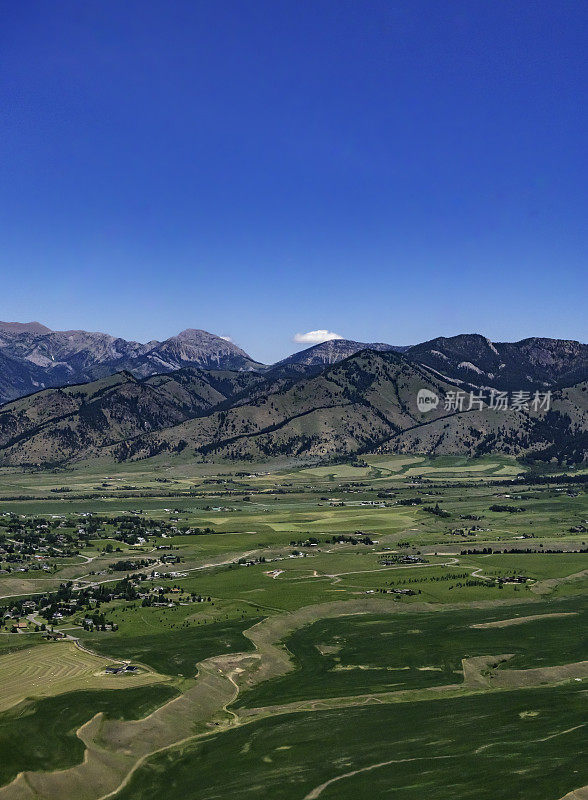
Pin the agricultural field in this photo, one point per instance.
(389, 626)
(54, 668)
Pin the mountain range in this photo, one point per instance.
(33, 357)
(339, 398)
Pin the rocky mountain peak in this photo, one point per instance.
(24, 327)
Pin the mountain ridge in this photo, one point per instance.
(334, 350)
(48, 359)
(529, 363)
(32, 357)
(364, 403)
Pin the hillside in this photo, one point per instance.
(560, 433)
(57, 425)
(18, 378)
(365, 403)
(351, 406)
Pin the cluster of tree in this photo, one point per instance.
(437, 510)
(358, 538)
(96, 620)
(126, 565)
(160, 596)
(310, 541)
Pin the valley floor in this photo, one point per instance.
(333, 632)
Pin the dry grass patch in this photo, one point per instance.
(505, 623)
(58, 667)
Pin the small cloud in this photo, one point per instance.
(226, 338)
(315, 337)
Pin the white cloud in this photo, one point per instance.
(315, 337)
(226, 338)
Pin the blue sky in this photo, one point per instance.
(390, 171)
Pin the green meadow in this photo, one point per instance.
(173, 649)
(41, 734)
(371, 653)
(476, 748)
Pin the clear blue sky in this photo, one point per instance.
(390, 171)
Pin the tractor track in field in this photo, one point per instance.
(318, 790)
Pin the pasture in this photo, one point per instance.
(171, 649)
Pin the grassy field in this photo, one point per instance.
(463, 748)
(172, 652)
(40, 734)
(319, 630)
(373, 653)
